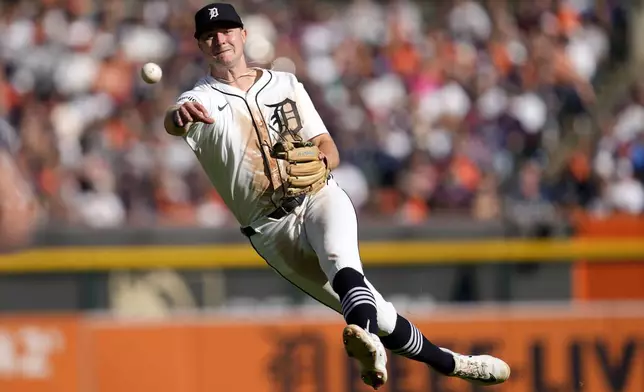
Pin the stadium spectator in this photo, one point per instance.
(443, 106)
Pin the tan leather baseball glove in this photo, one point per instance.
(306, 170)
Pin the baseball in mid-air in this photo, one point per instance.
(151, 73)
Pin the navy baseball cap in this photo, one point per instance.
(215, 15)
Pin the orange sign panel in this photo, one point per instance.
(548, 352)
(614, 280)
(39, 353)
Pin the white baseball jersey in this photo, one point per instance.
(306, 248)
(229, 150)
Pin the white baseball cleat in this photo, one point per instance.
(367, 349)
(479, 369)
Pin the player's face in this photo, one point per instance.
(223, 46)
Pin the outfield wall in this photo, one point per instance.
(446, 261)
(571, 349)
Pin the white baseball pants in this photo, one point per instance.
(311, 244)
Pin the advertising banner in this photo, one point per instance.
(548, 352)
(39, 353)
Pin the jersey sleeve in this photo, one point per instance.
(312, 124)
(198, 130)
(189, 96)
(197, 135)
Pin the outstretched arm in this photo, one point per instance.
(178, 118)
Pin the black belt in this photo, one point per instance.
(286, 208)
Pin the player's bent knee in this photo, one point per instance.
(334, 264)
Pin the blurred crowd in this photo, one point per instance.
(437, 106)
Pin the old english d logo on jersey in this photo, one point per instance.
(286, 118)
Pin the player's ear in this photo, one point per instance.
(202, 45)
(243, 35)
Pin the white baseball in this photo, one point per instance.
(151, 73)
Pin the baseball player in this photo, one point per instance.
(267, 152)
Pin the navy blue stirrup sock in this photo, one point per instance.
(408, 341)
(358, 302)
